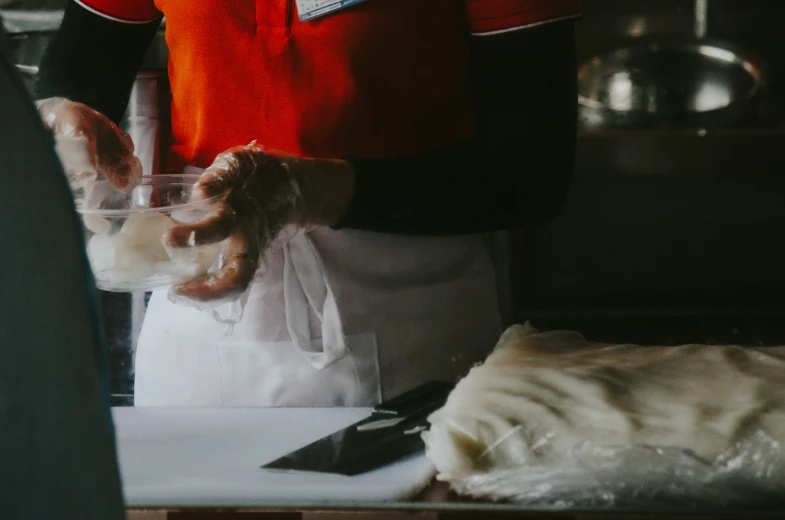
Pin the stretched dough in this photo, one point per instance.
(136, 253)
(539, 395)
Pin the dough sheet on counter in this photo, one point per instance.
(553, 418)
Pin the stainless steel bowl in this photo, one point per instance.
(656, 83)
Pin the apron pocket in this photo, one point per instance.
(276, 374)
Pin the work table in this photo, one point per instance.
(202, 464)
(205, 463)
(427, 499)
(202, 457)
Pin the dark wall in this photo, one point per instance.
(669, 219)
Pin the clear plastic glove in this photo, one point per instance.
(266, 195)
(90, 145)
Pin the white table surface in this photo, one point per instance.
(181, 457)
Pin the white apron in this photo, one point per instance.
(340, 318)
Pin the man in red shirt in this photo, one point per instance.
(408, 128)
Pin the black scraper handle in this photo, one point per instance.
(423, 397)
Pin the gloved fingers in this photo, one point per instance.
(79, 179)
(123, 172)
(115, 155)
(240, 263)
(89, 143)
(74, 144)
(49, 109)
(216, 227)
(212, 182)
(227, 170)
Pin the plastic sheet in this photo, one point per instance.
(591, 476)
(552, 420)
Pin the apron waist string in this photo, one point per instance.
(306, 286)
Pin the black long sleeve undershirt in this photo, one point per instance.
(516, 172)
(93, 60)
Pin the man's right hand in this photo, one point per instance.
(90, 145)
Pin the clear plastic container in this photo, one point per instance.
(123, 233)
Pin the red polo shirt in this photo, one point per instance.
(380, 78)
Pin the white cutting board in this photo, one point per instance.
(192, 457)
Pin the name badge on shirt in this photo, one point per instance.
(310, 9)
